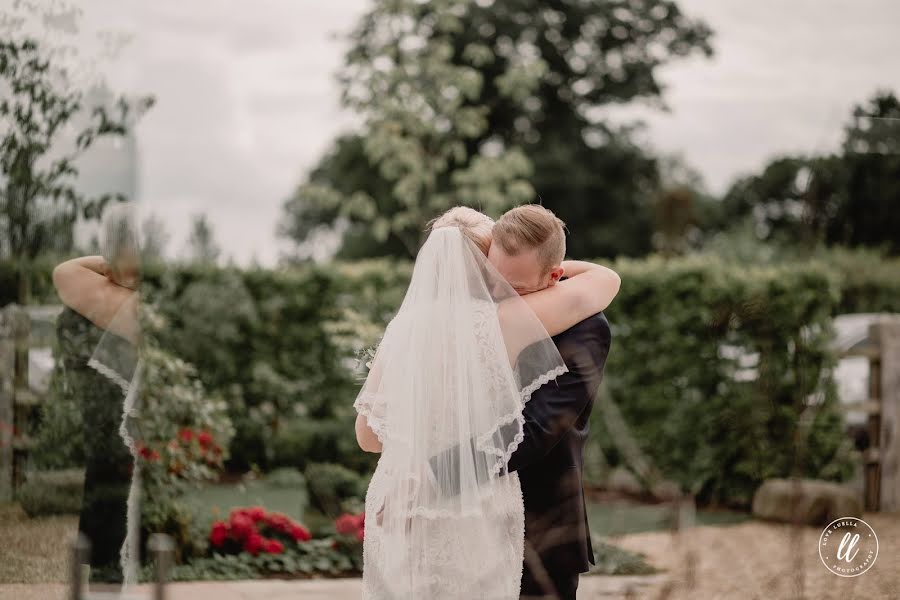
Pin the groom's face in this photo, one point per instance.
(522, 271)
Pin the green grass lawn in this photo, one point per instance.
(33, 554)
(607, 518)
(216, 501)
(619, 517)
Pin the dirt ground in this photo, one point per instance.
(763, 561)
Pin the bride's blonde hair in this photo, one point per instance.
(475, 225)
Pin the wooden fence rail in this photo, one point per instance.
(881, 460)
(21, 329)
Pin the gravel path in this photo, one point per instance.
(763, 561)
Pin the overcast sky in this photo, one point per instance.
(247, 101)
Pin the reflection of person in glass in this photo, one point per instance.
(98, 333)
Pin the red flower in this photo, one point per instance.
(186, 435)
(205, 438)
(242, 526)
(360, 534)
(348, 524)
(274, 547)
(256, 513)
(345, 524)
(279, 522)
(148, 454)
(300, 533)
(254, 543)
(218, 534)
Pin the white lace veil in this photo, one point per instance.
(119, 360)
(445, 396)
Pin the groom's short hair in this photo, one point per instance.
(532, 226)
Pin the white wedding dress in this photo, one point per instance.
(444, 520)
(450, 566)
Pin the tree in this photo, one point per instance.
(871, 158)
(492, 104)
(154, 239)
(202, 246)
(846, 198)
(38, 197)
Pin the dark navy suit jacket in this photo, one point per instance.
(550, 459)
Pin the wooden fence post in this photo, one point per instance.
(886, 334)
(7, 386)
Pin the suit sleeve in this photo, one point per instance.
(552, 411)
(554, 408)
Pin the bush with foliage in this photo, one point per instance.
(331, 486)
(869, 281)
(52, 492)
(612, 560)
(254, 543)
(682, 328)
(301, 442)
(351, 525)
(256, 531)
(723, 375)
(286, 477)
(184, 436)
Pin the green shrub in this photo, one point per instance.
(315, 558)
(869, 281)
(330, 485)
(286, 477)
(680, 328)
(52, 492)
(184, 437)
(712, 366)
(612, 560)
(300, 442)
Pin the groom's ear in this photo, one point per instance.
(556, 273)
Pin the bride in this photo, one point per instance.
(443, 403)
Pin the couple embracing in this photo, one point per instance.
(478, 399)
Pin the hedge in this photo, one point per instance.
(711, 368)
(52, 492)
(279, 345)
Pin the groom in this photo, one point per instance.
(527, 249)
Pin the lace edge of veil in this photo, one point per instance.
(129, 551)
(366, 404)
(109, 373)
(503, 456)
